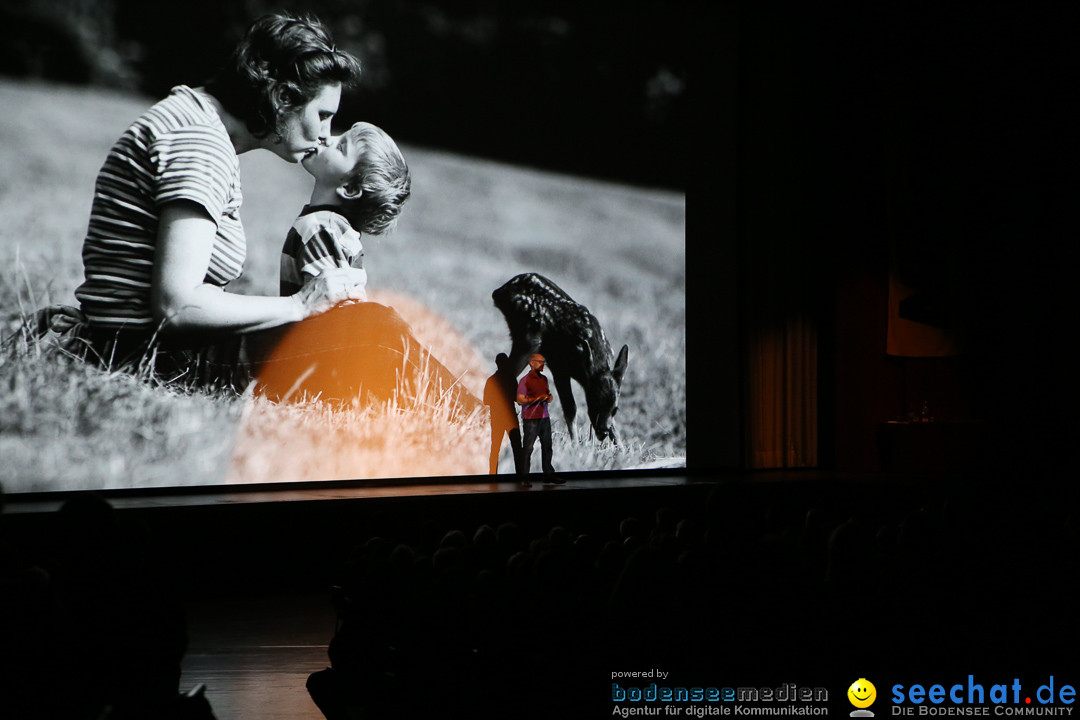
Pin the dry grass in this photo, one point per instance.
(416, 433)
(470, 226)
(64, 424)
(311, 442)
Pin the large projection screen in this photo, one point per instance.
(480, 214)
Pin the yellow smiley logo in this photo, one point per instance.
(862, 693)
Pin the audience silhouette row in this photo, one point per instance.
(756, 584)
(520, 618)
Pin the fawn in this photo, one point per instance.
(543, 319)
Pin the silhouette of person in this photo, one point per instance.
(533, 394)
(499, 394)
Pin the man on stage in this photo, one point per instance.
(533, 395)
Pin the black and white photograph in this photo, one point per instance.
(497, 143)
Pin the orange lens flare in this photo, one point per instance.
(362, 392)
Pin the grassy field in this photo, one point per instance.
(470, 226)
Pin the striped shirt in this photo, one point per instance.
(319, 240)
(178, 150)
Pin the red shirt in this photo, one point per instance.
(534, 384)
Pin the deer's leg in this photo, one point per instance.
(566, 399)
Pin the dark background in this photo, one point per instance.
(593, 88)
(944, 133)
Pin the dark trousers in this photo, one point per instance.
(532, 429)
(353, 351)
(357, 350)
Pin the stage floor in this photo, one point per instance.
(254, 653)
(336, 490)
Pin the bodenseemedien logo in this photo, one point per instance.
(672, 699)
(862, 694)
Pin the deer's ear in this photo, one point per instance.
(620, 365)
